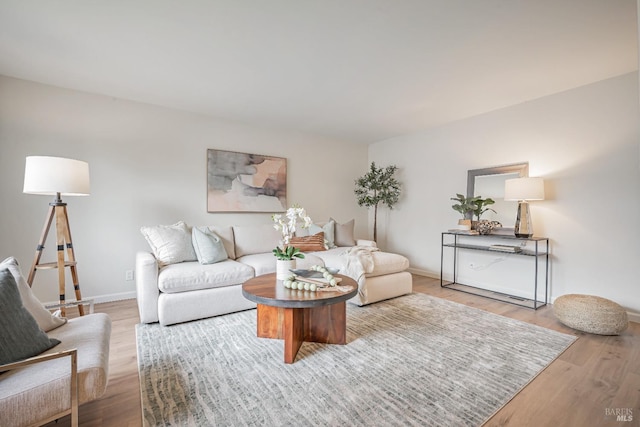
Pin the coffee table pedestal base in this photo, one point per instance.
(323, 324)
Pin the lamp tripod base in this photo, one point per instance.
(523, 227)
(58, 212)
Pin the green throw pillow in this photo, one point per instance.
(208, 246)
(329, 232)
(20, 336)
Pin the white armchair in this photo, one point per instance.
(73, 383)
(41, 383)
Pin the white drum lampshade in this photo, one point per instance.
(523, 190)
(52, 175)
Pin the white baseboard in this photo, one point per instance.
(115, 297)
(107, 298)
(426, 273)
(633, 317)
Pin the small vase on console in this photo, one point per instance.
(283, 266)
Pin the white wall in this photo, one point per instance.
(148, 166)
(584, 142)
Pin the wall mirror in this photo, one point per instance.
(489, 182)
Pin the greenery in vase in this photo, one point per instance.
(375, 187)
(288, 253)
(464, 206)
(480, 206)
(287, 224)
(472, 206)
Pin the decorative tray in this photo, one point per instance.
(311, 274)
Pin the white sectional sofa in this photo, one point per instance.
(187, 290)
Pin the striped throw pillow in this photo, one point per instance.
(309, 243)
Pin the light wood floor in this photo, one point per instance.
(595, 374)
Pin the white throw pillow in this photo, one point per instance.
(170, 243)
(46, 321)
(208, 246)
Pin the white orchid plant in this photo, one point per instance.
(287, 225)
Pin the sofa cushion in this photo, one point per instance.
(190, 276)
(309, 243)
(170, 243)
(20, 335)
(46, 321)
(255, 239)
(331, 258)
(264, 263)
(208, 246)
(387, 263)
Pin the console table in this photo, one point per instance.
(539, 253)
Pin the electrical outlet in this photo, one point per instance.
(128, 275)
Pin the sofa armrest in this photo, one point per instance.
(364, 242)
(73, 384)
(147, 291)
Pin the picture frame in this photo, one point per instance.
(245, 182)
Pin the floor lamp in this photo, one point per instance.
(523, 190)
(58, 177)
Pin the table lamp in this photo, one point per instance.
(523, 190)
(58, 177)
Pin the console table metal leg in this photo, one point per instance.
(441, 260)
(535, 277)
(455, 259)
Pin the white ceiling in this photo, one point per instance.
(360, 70)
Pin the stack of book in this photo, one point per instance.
(505, 248)
(465, 232)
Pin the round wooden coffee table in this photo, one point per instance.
(296, 316)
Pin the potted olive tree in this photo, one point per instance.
(375, 187)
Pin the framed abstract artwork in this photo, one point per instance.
(242, 182)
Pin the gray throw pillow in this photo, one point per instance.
(208, 246)
(20, 336)
(46, 321)
(344, 233)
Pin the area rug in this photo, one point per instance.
(414, 360)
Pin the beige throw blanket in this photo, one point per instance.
(359, 261)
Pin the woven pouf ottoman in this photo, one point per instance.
(589, 313)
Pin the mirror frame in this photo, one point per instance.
(521, 168)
